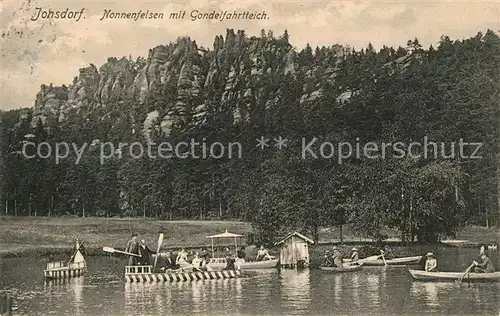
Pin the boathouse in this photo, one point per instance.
(294, 250)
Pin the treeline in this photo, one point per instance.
(444, 94)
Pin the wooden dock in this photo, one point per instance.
(63, 270)
(144, 274)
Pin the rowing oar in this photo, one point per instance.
(113, 250)
(370, 258)
(383, 258)
(465, 273)
(160, 242)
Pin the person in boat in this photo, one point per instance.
(168, 264)
(75, 256)
(262, 254)
(430, 263)
(241, 254)
(203, 263)
(337, 257)
(386, 252)
(485, 266)
(132, 247)
(78, 246)
(328, 262)
(205, 255)
(354, 254)
(229, 262)
(181, 256)
(146, 254)
(483, 250)
(197, 262)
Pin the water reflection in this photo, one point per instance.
(77, 286)
(378, 290)
(142, 297)
(355, 289)
(296, 288)
(373, 284)
(195, 296)
(427, 291)
(337, 288)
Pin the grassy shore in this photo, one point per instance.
(28, 236)
(21, 236)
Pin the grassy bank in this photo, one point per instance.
(27, 236)
(20, 236)
(480, 234)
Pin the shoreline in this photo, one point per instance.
(44, 251)
(46, 237)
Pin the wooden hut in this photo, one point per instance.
(294, 250)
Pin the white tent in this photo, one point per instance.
(226, 234)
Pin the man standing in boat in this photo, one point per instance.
(145, 253)
(132, 247)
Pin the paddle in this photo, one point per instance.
(371, 258)
(383, 258)
(465, 273)
(113, 250)
(160, 242)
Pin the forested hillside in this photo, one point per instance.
(247, 87)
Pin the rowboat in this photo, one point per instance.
(145, 274)
(453, 276)
(378, 261)
(75, 267)
(219, 264)
(346, 267)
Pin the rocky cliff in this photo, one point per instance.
(181, 84)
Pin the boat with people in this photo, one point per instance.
(378, 260)
(138, 274)
(346, 267)
(453, 276)
(75, 267)
(219, 263)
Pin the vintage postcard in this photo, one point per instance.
(251, 157)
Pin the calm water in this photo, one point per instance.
(380, 291)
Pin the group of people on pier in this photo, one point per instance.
(141, 254)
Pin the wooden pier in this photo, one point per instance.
(143, 274)
(61, 270)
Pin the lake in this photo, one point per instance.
(373, 290)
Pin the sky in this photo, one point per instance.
(52, 50)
